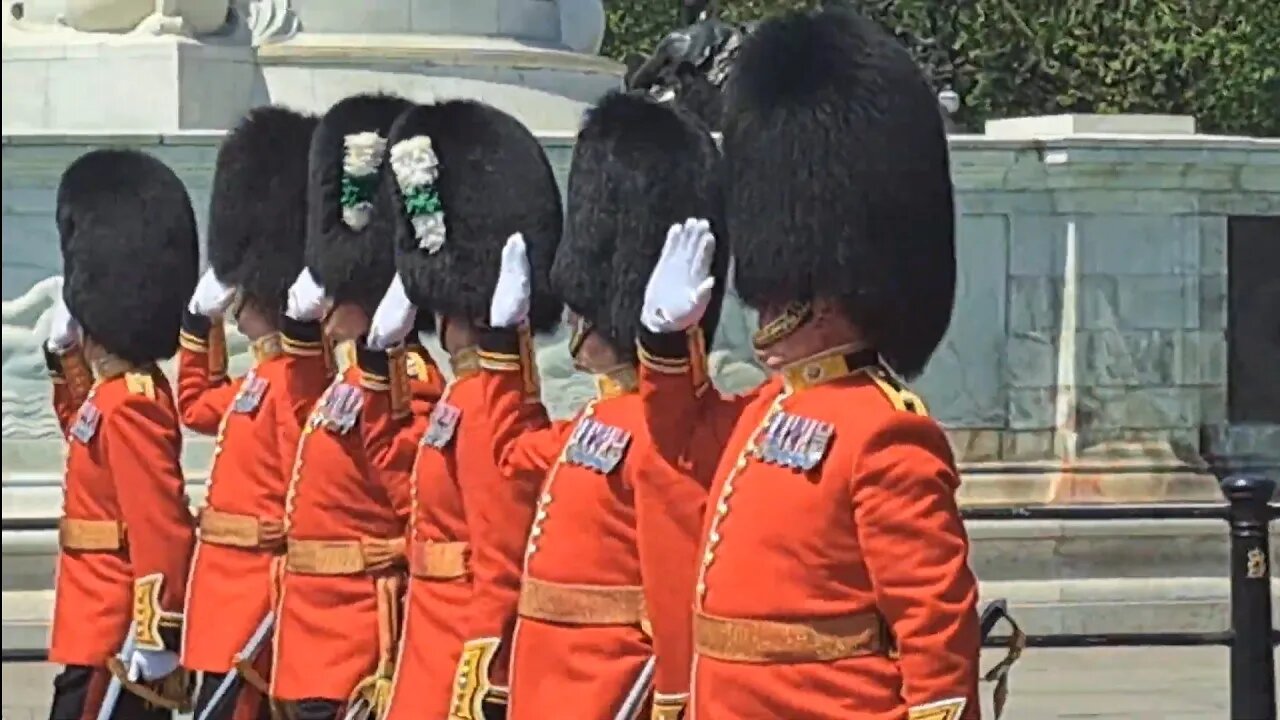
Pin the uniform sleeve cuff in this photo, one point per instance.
(301, 337)
(669, 706)
(375, 367)
(664, 352)
(154, 628)
(171, 635)
(195, 332)
(500, 349)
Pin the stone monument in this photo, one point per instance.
(169, 65)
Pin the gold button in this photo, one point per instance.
(812, 372)
(702, 588)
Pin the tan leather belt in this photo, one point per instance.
(769, 641)
(343, 557)
(439, 560)
(91, 535)
(242, 531)
(582, 604)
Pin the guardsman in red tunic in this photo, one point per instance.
(604, 605)
(348, 502)
(467, 176)
(131, 256)
(834, 581)
(257, 229)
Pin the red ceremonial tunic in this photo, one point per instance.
(833, 512)
(346, 512)
(126, 532)
(454, 448)
(499, 516)
(257, 419)
(593, 590)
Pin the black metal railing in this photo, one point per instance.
(1248, 512)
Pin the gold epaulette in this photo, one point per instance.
(343, 355)
(399, 361)
(902, 398)
(140, 382)
(417, 363)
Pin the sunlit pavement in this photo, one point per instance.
(1086, 684)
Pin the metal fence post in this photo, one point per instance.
(1253, 684)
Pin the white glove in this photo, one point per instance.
(393, 320)
(510, 305)
(679, 289)
(306, 298)
(211, 297)
(148, 665)
(64, 331)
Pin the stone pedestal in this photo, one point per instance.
(93, 65)
(546, 87)
(95, 83)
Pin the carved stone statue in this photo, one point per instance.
(145, 17)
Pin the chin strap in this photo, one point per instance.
(792, 318)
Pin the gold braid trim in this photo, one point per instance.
(217, 349)
(375, 690)
(795, 315)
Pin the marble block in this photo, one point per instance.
(158, 84)
(545, 87)
(1090, 124)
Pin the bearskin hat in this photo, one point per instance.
(258, 209)
(130, 251)
(639, 167)
(349, 233)
(466, 176)
(841, 185)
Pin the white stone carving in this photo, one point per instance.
(135, 17)
(268, 21)
(27, 414)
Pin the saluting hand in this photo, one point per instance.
(306, 298)
(64, 331)
(211, 297)
(510, 304)
(679, 289)
(393, 320)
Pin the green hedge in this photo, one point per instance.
(1214, 59)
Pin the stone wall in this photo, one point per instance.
(1086, 361)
